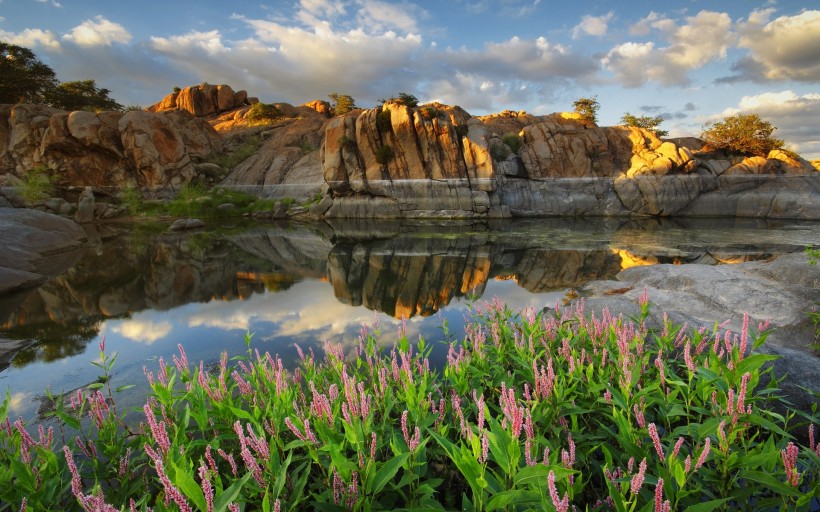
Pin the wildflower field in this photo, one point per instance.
(552, 411)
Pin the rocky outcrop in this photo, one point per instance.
(431, 162)
(203, 100)
(107, 149)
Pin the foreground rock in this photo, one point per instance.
(781, 291)
(36, 246)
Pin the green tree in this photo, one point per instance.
(645, 122)
(342, 103)
(82, 95)
(742, 133)
(587, 108)
(407, 100)
(23, 78)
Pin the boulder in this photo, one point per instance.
(186, 224)
(85, 206)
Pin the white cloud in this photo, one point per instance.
(652, 21)
(786, 48)
(703, 38)
(143, 331)
(592, 25)
(98, 32)
(31, 38)
(378, 16)
(794, 115)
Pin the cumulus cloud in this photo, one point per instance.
(701, 39)
(794, 115)
(652, 21)
(592, 25)
(786, 48)
(32, 38)
(98, 32)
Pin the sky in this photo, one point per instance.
(690, 62)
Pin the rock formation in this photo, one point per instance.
(107, 149)
(203, 100)
(396, 161)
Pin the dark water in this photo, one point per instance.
(146, 290)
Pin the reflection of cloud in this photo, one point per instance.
(308, 306)
(143, 331)
(17, 400)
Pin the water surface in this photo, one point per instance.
(145, 290)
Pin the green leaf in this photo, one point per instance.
(707, 506)
(772, 482)
(124, 387)
(229, 495)
(186, 483)
(514, 497)
(539, 473)
(388, 471)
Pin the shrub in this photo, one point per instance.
(36, 185)
(742, 133)
(177, 89)
(531, 411)
(383, 123)
(133, 108)
(430, 112)
(264, 113)
(513, 141)
(499, 152)
(384, 154)
(646, 122)
(587, 108)
(461, 130)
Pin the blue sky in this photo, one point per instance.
(691, 61)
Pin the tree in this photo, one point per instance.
(742, 133)
(645, 122)
(23, 78)
(82, 95)
(587, 108)
(342, 103)
(407, 100)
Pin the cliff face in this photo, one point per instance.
(396, 161)
(431, 161)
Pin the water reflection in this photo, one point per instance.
(297, 281)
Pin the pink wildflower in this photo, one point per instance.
(789, 456)
(656, 440)
(561, 505)
(705, 453)
(637, 479)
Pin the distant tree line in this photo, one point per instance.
(25, 79)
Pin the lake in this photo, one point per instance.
(145, 290)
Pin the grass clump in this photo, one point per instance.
(513, 141)
(532, 411)
(36, 185)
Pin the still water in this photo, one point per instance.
(145, 290)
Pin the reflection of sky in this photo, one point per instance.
(307, 314)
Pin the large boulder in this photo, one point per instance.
(202, 100)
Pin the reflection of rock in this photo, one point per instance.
(160, 273)
(542, 270)
(407, 277)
